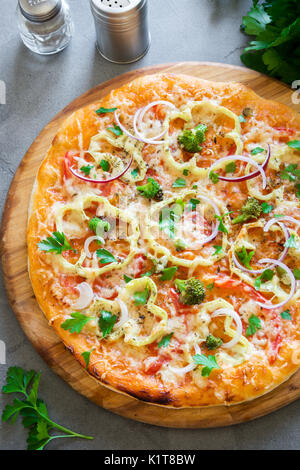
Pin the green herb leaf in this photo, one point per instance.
(297, 189)
(167, 221)
(127, 278)
(168, 273)
(106, 322)
(218, 249)
(179, 183)
(253, 326)
(286, 315)
(105, 110)
(105, 256)
(230, 167)
(214, 177)
(193, 204)
(242, 118)
(86, 356)
(266, 275)
(209, 362)
(86, 169)
(266, 208)
(141, 297)
(294, 144)
(185, 172)
(57, 243)
(104, 165)
(291, 242)
(115, 130)
(210, 286)
(32, 409)
(222, 227)
(135, 172)
(257, 150)
(290, 172)
(164, 342)
(76, 322)
(296, 273)
(245, 257)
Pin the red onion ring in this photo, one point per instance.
(283, 255)
(293, 284)
(260, 169)
(280, 219)
(89, 180)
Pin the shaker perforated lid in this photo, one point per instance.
(113, 11)
(39, 10)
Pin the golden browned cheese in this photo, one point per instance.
(261, 361)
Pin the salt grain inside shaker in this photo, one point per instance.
(45, 25)
(122, 29)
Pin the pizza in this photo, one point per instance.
(163, 240)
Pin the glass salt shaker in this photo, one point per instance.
(45, 26)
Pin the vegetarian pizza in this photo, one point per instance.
(163, 240)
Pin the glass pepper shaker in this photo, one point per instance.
(45, 26)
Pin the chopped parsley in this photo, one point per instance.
(294, 144)
(168, 273)
(214, 177)
(296, 273)
(210, 286)
(266, 275)
(290, 172)
(209, 362)
(286, 315)
(291, 242)
(141, 297)
(185, 172)
(218, 249)
(245, 257)
(105, 110)
(135, 172)
(179, 183)
(127, 278)
(104, 165)
(57, 243)
(253, 326)
(86, 356)
(106, 322)
(222, 227)
(76, 322)
(105, 256)
(257, 150)
(165, 341)
(86, 169)
(167, 219)
(230, 167)
(115, 130)
(242, 118)
(193, 204)
(266, 208)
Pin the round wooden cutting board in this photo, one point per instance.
(32, 320)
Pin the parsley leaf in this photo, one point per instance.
(76, 322)
(222, 227)
(179, 183)
(135, 172)
(32, 409)
(105, 110)
(254, 325)
(218, 249)
(57, 243)
(193, 204)
(291, 242)
(164, 342)
(168, 273)
(115, 130)
(298, 190)
(242, 118)
(127, 278)
(185, 172)
(286, 315)
(230, 167)
(106, 322)
(214, 177)
(167, 219)
(256, 150)
(209, 362)
(290, 172)
(210, 286)
(105, 256)
(86, 169)
(245, 257)
(86, 356)
(266, 275)
(104, 165)
(141, 297)
(294, 144)
(266, 208)
(296, 273)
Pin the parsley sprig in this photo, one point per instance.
(56, 243)
(32, 409)
(209, 362)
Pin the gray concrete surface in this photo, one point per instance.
(37, 88)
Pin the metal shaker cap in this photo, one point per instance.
(117, 12)
(39, 11)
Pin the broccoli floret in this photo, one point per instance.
(151, 190)
(99, 226)
(250, 210)
(212, 342)
(190, 139)
(192, 291)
